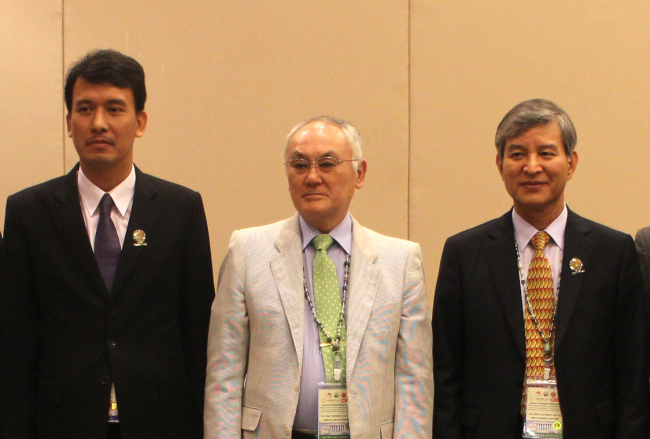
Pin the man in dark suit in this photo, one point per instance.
(642, 241)
(106, 289)
(495, 341)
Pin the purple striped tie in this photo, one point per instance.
(107, 244)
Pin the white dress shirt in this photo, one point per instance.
(554, 250)
(90, 196)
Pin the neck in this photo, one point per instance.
(106, 178)
(540, 219)
(324, 226)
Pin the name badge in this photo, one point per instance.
(333, 420)
(112, 411)
(543, 416)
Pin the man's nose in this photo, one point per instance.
(99, 121)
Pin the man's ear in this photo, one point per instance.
(141, 118)
(361, 174)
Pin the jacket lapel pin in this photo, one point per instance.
(576, 266)
(139, 237)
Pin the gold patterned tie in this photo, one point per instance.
(542, 299)
(327, 295)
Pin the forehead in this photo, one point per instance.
(84, 90)
(318, 138)
(548, 134)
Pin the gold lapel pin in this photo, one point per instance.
(139, 237)
(576, 266)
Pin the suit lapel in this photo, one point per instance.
(288, 274)
(576, 245)
(363, 286)
(69, 221)
(144, 213)
(502, 263)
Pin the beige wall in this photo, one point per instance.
(426, 83)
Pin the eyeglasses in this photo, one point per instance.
(323, 164)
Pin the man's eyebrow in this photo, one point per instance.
(302, 155)
(116, 101)
(82, 102)
(518, 146)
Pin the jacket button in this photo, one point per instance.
(106, 379)
(287, 431)
(111, 310)
(296, 387)
(111, 344)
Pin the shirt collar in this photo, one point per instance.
(524, 231)
(342, 233)
(91, 195)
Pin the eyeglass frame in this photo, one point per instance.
(315, 163)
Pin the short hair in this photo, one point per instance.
(351, 134)
(532, 113)
(108, 66)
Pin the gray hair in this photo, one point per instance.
(532, 113)
(351, 134)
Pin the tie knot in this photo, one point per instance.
(106, 204)
(540, 240)
(323, 242)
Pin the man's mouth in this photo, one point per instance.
(99, 141)
(533, 183)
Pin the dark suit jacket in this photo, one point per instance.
(643, 248)
(64, 339)
(479, 343)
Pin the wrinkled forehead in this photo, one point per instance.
(318, 139)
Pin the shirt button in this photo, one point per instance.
(287, 431)
(296, 387)
(111, 344)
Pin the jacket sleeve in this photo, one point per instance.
(195, 301)
(630, 357)
(19, 323)
(447, 346)
(413, 361)
(227, 348)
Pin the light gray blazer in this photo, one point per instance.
(255, 346)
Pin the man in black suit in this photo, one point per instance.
(106, 289)
(491, 349)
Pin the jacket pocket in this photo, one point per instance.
(49, 390)
(386, 430)
(250, 418)
(606, 413)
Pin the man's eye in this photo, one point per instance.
(299, 165)
(114, 109)
(326, 164)
(83, 109)
(515, 155)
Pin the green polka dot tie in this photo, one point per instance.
(327, 296)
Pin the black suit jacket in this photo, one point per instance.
(479, 343)
(642, 241)
(64, 339)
